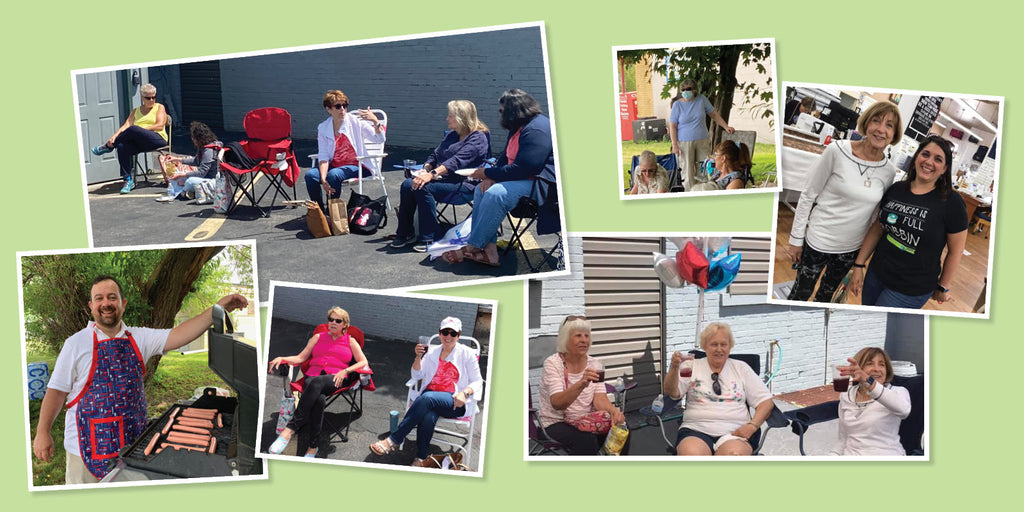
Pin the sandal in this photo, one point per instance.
(455, 256)
(481, 257)
(382, 447)
(279, 445)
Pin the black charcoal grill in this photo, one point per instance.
(235, 362)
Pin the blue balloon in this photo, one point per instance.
(723, 271)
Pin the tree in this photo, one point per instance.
(155, 282)
(714, 70)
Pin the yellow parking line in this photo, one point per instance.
(209, 227)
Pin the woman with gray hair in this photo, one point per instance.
(719, 394)
(651, 177)
(691, 141)
(572, 391)
(143, 131)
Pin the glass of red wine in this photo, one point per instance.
(840, 382)
(599, 368)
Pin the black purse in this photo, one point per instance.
(365, 215)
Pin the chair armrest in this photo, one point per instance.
(801, 419)
(365, 370)
(777, 419)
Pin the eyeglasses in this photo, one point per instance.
(335, 320)
(449, 332)
(570, 318)
(149, 97)
(715, 385)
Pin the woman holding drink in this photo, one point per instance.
(870, 411)
(719, 394)
(573, 400)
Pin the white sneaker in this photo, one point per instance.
(165, 199)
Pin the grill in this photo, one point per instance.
(232, 424)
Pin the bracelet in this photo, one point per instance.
(857, 265)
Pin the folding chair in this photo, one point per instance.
(528, 210)
(163, 151)
(668, 162)
(540, 443)
(353, 394)
(372, 161)
(468, 421)
(669, 413)
(268, 141)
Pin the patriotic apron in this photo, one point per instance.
(112, 406)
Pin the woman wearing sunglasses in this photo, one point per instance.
(651, 177)
(870, 412)
(144, 130)
(691, 141)
(572, 393)
(919, 218)
(719, 394)
(339, 139)
(454, 386)
(334, 358)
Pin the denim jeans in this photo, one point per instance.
(133, 141)
(876, 294)
(424, 200)
(489, 209)
(423, 415)
(335, 177)
(177, 187)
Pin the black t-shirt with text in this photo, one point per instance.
(914, 229)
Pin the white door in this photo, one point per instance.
(99, 110)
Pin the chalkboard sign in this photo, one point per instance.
(925, 114)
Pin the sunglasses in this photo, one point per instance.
(449, 332)
(339, 106)
(686, 89)
(715, 385)
(335, 320)
(570, 318)
(149, 97)
(938, 140)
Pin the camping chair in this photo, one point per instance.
(911, 428)
(668, 162)
(540, 443)
(416, 388)
(669, 413)
(352, 394)
(460, 196)
(268, 141)
(748, 137)
(162, 151)
(372, 161)
(528, 210)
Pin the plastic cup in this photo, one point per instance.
(408, 164)
(599, 368)
(840, 383)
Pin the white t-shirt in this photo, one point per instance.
(835, 209)
(718, 415)
(71, 371)
(553, 381)
(873, 427)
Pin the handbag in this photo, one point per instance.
(205, 192)
(316, 222)
(595, 422)
(365, 215)
(221, 193)
(287, 410)
(337, 216)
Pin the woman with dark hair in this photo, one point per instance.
(919, 217)
(838, 201)
(794, 108)
(528, 156)
(870, 412)
(144, 130)
(204, 166)
(732, 167)
(466, 146)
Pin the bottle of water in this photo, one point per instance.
(658, 404)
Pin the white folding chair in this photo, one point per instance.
(456, 424)
(372, 160)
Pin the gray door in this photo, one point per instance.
(99, 108)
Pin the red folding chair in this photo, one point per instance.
(268, 134)
(352, 394)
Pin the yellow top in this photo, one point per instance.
(145, 121)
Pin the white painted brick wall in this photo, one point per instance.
(403, 318)
(411, 80)
(562, 295)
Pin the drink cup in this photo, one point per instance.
(408, 164)
(686, 367)
(599, 368)
(423, 340)
(840, 383)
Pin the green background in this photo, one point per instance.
(975, 418)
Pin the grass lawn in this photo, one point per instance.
(175, 379)
(763, 160)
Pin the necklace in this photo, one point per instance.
(867, 171)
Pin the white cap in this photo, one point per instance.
(451, 323)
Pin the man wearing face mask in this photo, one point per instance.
(691, 142)
(101, 369)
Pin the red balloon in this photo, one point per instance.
(693, 265)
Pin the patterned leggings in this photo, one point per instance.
(812, 263)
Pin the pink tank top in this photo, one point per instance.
(330, 355)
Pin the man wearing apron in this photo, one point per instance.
(99, 373)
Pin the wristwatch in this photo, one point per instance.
(941, 288)
(871, 381)
(433, 171)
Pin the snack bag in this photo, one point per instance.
(616, 439)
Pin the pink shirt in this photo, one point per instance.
(513, 146)
(330, 354)
(553, 381)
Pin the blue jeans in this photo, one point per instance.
(423, 415)
(335, 177)
(133, 141)
(424, 200)
(489, 209)
(177, 187)
(876, 294)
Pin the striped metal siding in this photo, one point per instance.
(624, 302)
(201, 94)
(753, 276)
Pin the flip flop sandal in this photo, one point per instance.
(454, 256)
(481, 257)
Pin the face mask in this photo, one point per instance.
(687, 95)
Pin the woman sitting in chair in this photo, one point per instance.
(870, 412)
(454, 385)
(719, 394)
(143, 131)
(466, 146)
(528, 156)
(204, 165)
(572, 394)
(651, 177)
(334, 358)
(732, 167)
(339, 140)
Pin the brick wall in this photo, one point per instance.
(411, 80)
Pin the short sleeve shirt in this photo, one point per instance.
(689, 117)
